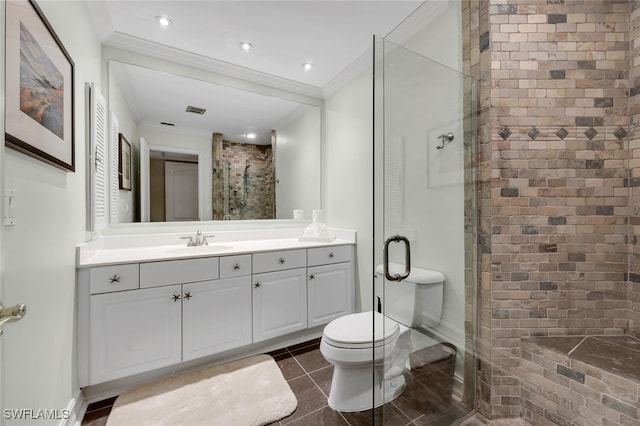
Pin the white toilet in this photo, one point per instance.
(349, 344)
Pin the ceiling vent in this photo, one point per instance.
(195, 110)
(167, 124)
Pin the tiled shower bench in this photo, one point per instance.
(581, 380)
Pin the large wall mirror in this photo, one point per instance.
(202, 150)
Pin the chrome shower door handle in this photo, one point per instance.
(407, 258)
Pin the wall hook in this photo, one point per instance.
(445, 139)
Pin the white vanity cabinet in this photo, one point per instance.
(134, 331)
(216, 316)
(167, 320)
(155, 274)
(279, 303)
(105, 279)
(329, 284)
(279, 293)
(137, 317)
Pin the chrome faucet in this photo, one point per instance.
(198, 240)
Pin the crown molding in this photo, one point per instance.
(418, 20)
(357, 67)
(136, 45)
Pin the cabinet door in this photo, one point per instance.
(279, 303)
(134, 331)
(330, 290)
(216, 316)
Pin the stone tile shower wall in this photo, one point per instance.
(634, 166)
(256, 200)
(553, 163)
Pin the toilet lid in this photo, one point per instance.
(356, 331)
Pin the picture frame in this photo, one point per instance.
(39, 91)
(124, 163)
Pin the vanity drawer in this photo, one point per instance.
(105, 279)
(279, 260)
(329, 255)
(154, 274)
(235, 266)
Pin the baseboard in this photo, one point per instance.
(76, 408)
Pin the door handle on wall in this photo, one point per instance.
(11, 314)
(407, 258)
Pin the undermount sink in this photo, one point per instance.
(199, 249)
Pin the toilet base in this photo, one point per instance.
(352, 390)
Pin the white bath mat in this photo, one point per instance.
(247, 392)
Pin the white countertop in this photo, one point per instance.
(147, 248)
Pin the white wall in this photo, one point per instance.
(189, 142)
(2, 180)
(298, 161)
(348, 172)
(38, 254)
(129, 128)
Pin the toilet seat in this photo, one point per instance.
(355, 331)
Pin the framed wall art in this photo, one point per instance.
(39, 99)
(124, 163)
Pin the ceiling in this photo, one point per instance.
(156, 97)
(330, 34)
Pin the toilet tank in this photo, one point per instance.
(415, 301)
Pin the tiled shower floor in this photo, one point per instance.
(425, 399)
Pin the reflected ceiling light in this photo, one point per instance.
(307, 66)
(163, 21)
(251, 135)
(246, 46)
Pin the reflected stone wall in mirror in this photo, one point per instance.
(243, 180)
(259, 155)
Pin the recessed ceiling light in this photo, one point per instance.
(246, 46)
(251, 135)
(163, 21)
(307, 66)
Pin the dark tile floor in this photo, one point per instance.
(426, 399)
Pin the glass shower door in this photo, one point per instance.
(425, 221)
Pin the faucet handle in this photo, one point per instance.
(204, 239)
